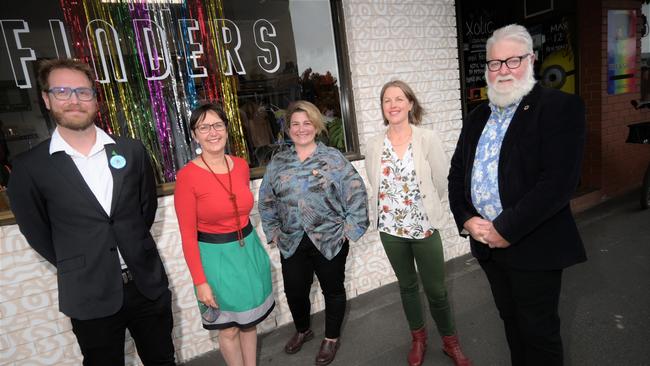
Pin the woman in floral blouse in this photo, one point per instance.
(407, 168)
(312, 201)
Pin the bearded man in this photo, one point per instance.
(85, 201)
(514, 171)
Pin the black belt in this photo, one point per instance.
(225, 237)
(126, 276)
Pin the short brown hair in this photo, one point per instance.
(313, 113)
(47, 66)
(198, 114)
(415, 115)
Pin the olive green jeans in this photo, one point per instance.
(404, 254)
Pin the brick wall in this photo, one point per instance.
(411, 40)
(611, 165)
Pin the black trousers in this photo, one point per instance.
(528, 305)
(149, 322)
(298, 275)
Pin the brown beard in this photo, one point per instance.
(75, 125)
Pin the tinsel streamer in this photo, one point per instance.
(127, 103)
(157, 111)
(176, 100)
(156, 94)
(210, 84)
(185, 63)
(75, 19)
(228, 84)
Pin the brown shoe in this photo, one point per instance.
(295, 343)
(327, 352)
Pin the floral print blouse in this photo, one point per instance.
(400, 211)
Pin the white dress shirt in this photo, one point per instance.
(93, 168)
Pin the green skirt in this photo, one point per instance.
(240, 278)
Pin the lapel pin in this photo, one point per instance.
(117, 161)
(526, 107)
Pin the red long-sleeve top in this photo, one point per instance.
(203, 205)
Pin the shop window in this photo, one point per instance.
(156, 60)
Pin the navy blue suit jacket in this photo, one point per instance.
(539, 169)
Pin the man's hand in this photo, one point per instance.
(494, 240)
(204, 294)
(478, 228)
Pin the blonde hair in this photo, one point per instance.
(314, 115)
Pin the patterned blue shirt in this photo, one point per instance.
(323, 196)
(485, 171)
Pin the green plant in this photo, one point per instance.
(336, 133)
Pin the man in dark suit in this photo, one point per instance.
(515, 168)
(86, 201)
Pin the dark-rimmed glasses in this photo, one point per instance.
(205, 128)
(65, 93)
(511, 62)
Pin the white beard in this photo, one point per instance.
(505, 96)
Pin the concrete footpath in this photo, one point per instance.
(605, 307)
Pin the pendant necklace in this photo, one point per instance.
(231, 196)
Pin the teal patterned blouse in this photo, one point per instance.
(322, 196)
(485, 172)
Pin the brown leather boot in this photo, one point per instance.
(418, 347)
(451, 348)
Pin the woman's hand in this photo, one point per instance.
(204, 294)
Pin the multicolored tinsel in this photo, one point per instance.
(228, 83)
(153, 43)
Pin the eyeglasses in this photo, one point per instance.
(511, 62)
(65, 93)
(205, 128)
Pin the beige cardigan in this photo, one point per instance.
(431, 169)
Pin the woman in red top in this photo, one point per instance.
(229, 267)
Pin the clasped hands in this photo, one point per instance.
(483, 231)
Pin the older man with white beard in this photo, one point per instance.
(515, 168)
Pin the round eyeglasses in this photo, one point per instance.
(205, 128)
(511, 62)
(65, 93)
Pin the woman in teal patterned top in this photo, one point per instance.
(312, 202)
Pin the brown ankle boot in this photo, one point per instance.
(451, 348)
(418, 347)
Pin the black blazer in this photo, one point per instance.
(62, 220)
(539, 169)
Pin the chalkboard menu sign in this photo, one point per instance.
(477, 23)
(477, 27)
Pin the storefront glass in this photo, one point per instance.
(157, 60)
